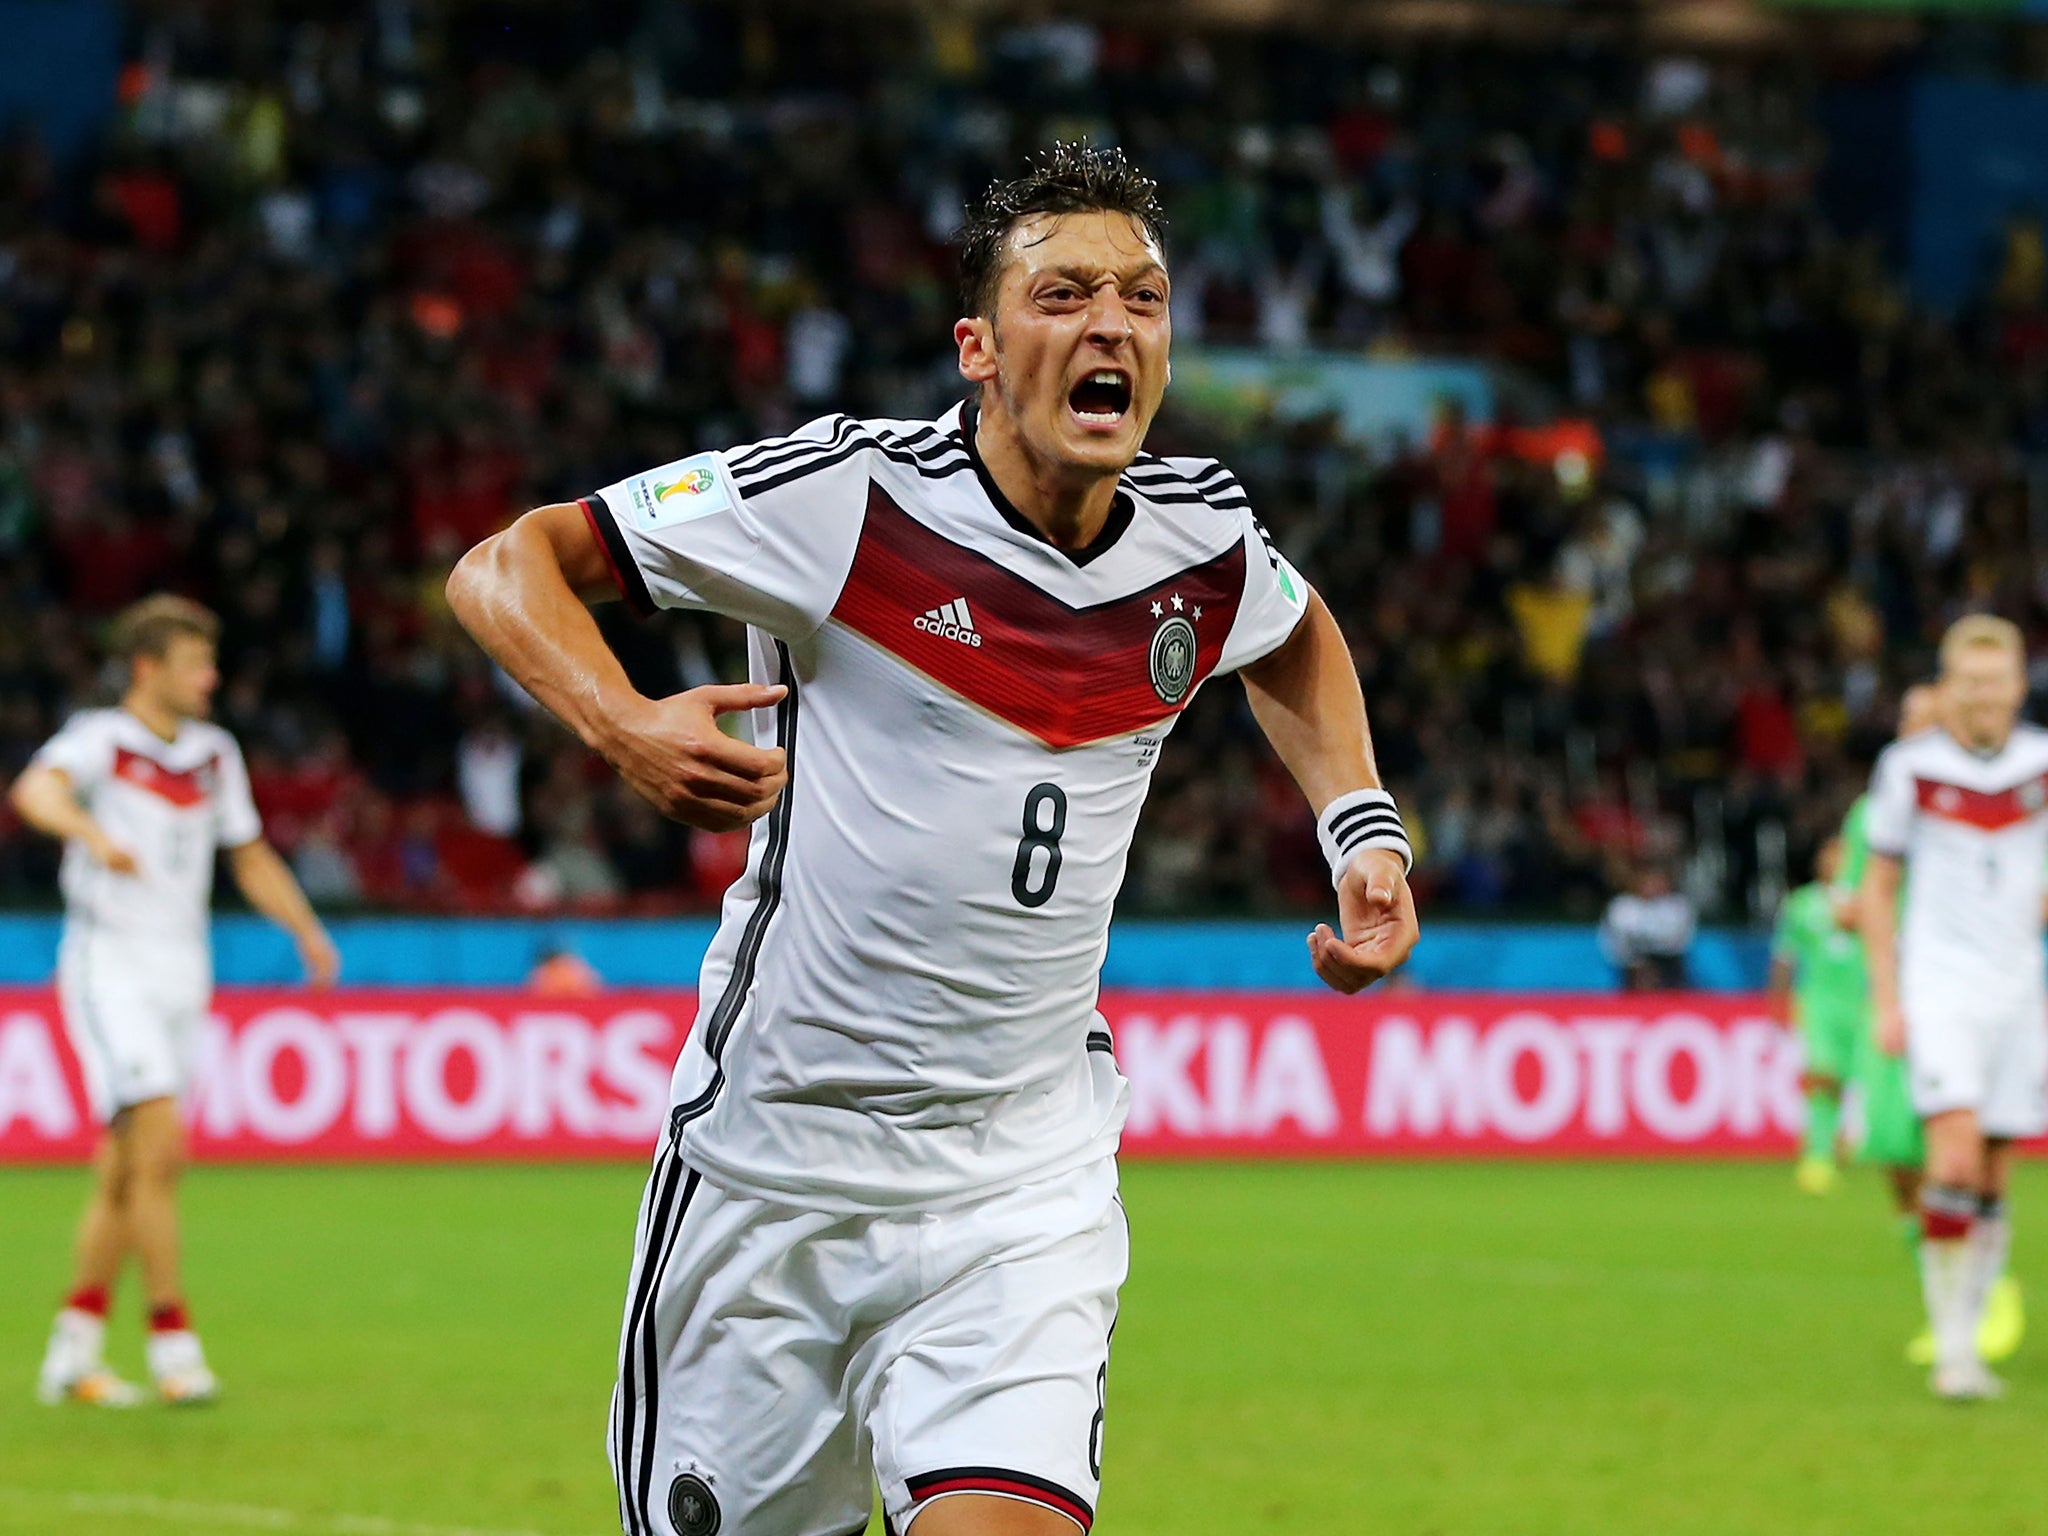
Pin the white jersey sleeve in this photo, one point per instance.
(1275, 598)
(764, 534)
(236, 822)
(1889, 823)
(83, 750)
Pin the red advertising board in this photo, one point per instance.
(367, 1073)
(483, 1074)
(1435, 1074)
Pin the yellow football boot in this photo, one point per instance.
(2005, 1321)
(1816, 1175)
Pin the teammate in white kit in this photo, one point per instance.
(881, 1242)
(142, 795)
(1961, 814)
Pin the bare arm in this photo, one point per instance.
(521, 594)
(1306, 698)
(44, 799)
(271, 888)
(1879, 898)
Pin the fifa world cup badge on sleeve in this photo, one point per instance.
(680, 492)
(1292, 587)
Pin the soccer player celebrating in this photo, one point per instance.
(1957, 981)
(142, 794)
(1892, 1136)
(882, 1239)
(1817, 981)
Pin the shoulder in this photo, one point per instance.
(98, 724)
(1909, 750)
(208, 736)
(1203, 491)
(1185, 482)
(2030, 739)
(838, 441)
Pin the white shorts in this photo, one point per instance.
(1990, 1055)
(778, 1363)
(133, 1009)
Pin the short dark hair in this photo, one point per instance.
(1068, 178)
(148, 627)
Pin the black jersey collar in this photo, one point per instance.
(1121, 510)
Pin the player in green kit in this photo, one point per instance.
(1820, 987)
(1892, 1136)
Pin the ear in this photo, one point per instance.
(976, 338)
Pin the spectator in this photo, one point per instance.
(572, 869)
(561, 972)
(324, 867)
(294, 355)
(1552, 618)
(487, 769)
(1647, 933)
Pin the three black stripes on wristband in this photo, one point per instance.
(1365, 818)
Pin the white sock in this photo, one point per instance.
(1943, 1280)
(1948, 1212)
(1989, 1243)
(174, 1352)
(77, 1340)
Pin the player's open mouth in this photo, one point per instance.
(1101, 398)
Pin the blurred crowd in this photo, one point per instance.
(342, 289)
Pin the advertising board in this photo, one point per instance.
(371, 1073)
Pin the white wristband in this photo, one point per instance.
(1363, 819)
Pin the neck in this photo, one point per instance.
(161, 721)
(1986, 744)
(1070, 507)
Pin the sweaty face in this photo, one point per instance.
(183, 679)
(1983, 688)
(1077, 345)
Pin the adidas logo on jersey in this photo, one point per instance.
(950, 622)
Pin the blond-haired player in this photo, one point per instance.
(142, 794)
(1956, 971)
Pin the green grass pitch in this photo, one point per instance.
(1419, 1350)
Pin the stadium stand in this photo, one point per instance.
(342, 289)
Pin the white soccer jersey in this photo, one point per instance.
(169, 803)
(899, 1006)
(1973, 830)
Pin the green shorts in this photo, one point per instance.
(1892, 1134)
(1832, 1037)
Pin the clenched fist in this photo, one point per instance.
(673, 753)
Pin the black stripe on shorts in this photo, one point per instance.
(664, 1216)
(649, 1362)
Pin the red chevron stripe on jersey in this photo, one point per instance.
(1988, 811)
(1065, 675)
(185, 789)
